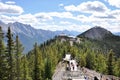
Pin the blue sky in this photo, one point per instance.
(77, 15)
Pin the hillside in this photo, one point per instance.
(103, 39)
(44, 58)
(96, 33)
(88, 54)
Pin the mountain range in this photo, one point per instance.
(29, 35)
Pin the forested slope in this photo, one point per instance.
(41, 61)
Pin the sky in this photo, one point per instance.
(77, 15)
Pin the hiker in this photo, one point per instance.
(72, 65)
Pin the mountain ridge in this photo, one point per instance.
(29, 35)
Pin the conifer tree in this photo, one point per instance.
(18, 55)
(82, 60)
(110, 62)
(100, 61)
(117, 67)
(10, 54)
(25, 69)
(37, 64)
(48, 72)
(90, 59)
(3, 63)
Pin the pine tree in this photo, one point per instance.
(25, 69)
(10, 52)
(37, 65)
(18, 55)
(90, 59)
(82, 60)
(48, 72)
(3, 63)
(110, 62)
(117, 67)
(100, 61)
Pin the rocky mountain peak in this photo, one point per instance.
(28, 35)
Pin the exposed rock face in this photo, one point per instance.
(93, 74)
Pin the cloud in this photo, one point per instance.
(43, 16)
(105, 16)
(65, 22)
(26, 19)
(116, 13)
(50, 15)
(47, 24)
(10, 9)
(10, 2)
(115, 3)
(61, 5)
(71, 27)
(5, 18)
(38, 17)
(69, 19)
(94, 17)
(71, 8)
(112, 26)
(88, 7)
(95, 6)
(77, 27)
(61, 14)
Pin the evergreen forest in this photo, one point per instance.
(41, 61)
